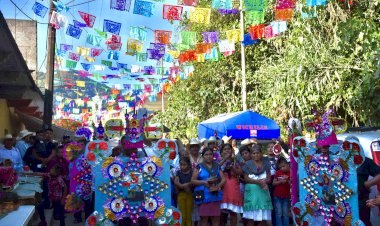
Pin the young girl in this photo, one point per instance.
(281, 193)
(232, 197)
(57, 192)
(182, 182)
(257, 201)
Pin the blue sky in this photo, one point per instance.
(99, 8)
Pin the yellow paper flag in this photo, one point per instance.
(200, 15)
(83, 51)
(201, 57)
(81, 83)
(234, 35)
(89, 59)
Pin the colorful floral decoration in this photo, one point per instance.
(72, 151)
(114, 128)
(327, 178)
(134, 131)
(84, 131)
(131, 187)
(167, 149)
(171, 217)
(97, 219)
(97, 151)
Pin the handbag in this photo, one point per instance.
(199, 196)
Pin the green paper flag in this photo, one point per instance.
(188, 38)
(254, 17)
(71, 64)
(107, 63)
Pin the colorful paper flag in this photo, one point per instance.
(172, 12)
(234, 35)
(86, 66)
(106, 62)
(249, 41)
(200, 15)
(187, 2)
(143, 8)
(93, 40)
(221, 4)
(279, 27)
(111, 27)
(226, 46)
(79, 24)
(65, 47)
(141, 57)
(254, 17)
(113, 55)
(95, 52)
(283, 14)
(81, 83)
(121, 5)
(73, 31)
(87, 18)
(188, 38)
(138, 33)
(58, 20)
(74, 56)
(134, 46)
(255, 5)
(83, 51)
(257, 31)
(211, 36)
(71, 64)
(161, 36)
(39, 9)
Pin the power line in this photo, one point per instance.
(25, 13)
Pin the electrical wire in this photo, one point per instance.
(24, 5)
(25, 13)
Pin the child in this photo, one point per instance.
(182, 182)
(232, 202)
(281, 193)
(57, 192)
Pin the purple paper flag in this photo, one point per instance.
(65, 47)
(111, 27)
(40, 9)
(73, 31)
(74, 56)
(211, 37)
(149, 70)
(121, 5)
(127, 86)
(79, 24)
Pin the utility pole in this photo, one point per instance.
(242, 55)
(49, 81)
(162, 89)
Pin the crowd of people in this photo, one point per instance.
(215, 182)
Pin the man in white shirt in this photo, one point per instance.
(8, 152)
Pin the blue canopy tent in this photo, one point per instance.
(240, 125)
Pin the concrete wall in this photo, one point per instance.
(25, 34)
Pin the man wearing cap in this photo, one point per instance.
(10, 153)
(22, 143)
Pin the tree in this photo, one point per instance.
(330, 60)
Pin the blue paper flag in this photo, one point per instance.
(122, 66)
(40, 9)
(111, 27)
(79, 24)
(143, 8)
(86, 66)
(315, 2)
(113, 55)
(73, 31)
(249, 41)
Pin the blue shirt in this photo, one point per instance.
(13, 155)
(22, 146)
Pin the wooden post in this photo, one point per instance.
(49, 81)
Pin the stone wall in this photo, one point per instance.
(25, 34)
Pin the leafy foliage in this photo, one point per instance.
(331, 60)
